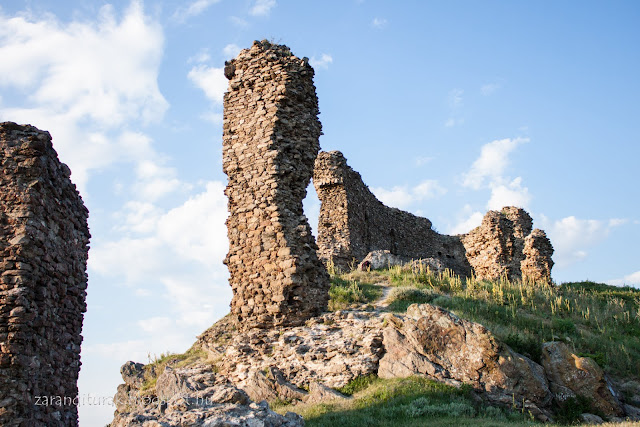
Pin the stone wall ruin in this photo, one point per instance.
(270, 143)
(353, 223)
(43, 256)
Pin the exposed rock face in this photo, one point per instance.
(332, 349)
(270, 143)
(353, 222)
(504, 244)
(537, 262)
(570, 375)
(43, 257)
(433, 342)
(194, 396)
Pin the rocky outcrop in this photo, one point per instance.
(194, 396)
(435, 343)
(353, 222)
(43, 258)
(270, 143)
(504, 245)
(570, 375)
(332, 349)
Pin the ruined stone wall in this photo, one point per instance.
(43, 256)
(270, 143)
(505, 245)
(353, 222)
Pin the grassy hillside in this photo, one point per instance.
(595, 320)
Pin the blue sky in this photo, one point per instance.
(447, 109)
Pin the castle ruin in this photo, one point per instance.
(270, 143)
(43, 257)
(353, 222)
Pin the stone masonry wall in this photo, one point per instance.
(270, 143)
(43, 255)
(505, 245)
(353, 222)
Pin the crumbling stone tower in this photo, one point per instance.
(270, 143)
(43, 257)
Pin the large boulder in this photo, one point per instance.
(570, 375)
(435, 343)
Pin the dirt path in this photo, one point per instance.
(383, 302)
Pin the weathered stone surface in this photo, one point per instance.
(270, 143)
(537, 262)
(376, 260)
(181, 411)
(194, 396)
(334, 349)
(570, 375)
(319, 392)
(43, 254)
(433, 342)
(132, 374)
(504, 243)
(272, 386)
(353, 222)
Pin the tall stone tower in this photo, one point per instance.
(43, 257)
(270, 143)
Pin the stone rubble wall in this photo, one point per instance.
(353, 222)
(270, 143)
(44, 241)
(505, 245)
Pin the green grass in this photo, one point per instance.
(413, 401)
(592, 318)
(348, 293)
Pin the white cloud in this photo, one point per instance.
(489, 88)
(511, 194)
(402, 196)
(323, 62)
(262, 7)
(239, 22)
(491, 165)
(202, 56)
(84, 81)
(231, 50)
(455, 98)
(422, 160)
(451, 122)
(470, 221)
(379, 23)
(572, 237)
(211, 80)
(193, 9)
(632, 279)
(155, 181)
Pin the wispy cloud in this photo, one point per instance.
(402, 196)
(239, 22)
(323, 62)
(422, 160)
(231, 50)
(262, 7)
(632, 279)
(451, 122)
(193, 9)
(491, 165)
(572, 237)
(211, 80)
(489, 88)
(455, 98)
(379, 23)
